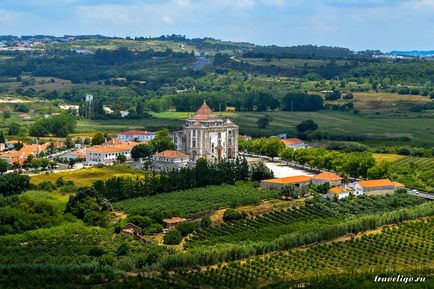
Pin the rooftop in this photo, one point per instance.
(376, 183)
(204, 113)
(337, 190)
(289, 180)
(136, 132)
(174, 220)
(171, 154)
(292, 141)
(327, 176)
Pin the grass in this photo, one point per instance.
(85, 177)
(387, 157)
(195, 200)
(291, 63)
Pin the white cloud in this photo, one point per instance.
(167, 19)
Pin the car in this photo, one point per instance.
(414, 191)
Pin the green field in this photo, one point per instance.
(197, 199)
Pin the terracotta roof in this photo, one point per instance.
(376, 183)
(174, 220)
(327, 176)
(131, 226)
(108, 149)
(337, 190)
(292, 141)
(204, 113)
(135, 132)
(171, 154)
(24, 115)
(396, 184)
(289, 180)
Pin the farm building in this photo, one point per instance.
(376, 187)
(131, 229)
(327, 177)
(277, 184)
(172, 222)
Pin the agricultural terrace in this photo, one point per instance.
(87, 176)
(403, 247)
(181, 203)
(313, 215)
(415, 172)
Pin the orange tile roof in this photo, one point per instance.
(396, 184)
(292, 141)
(24, 115)
(204, 113)
(327, 176)
(289, 180)
(376, 183)
(171, 154)
(337, 190)
(108, 149)
(174, 220)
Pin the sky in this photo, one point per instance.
(364, 24)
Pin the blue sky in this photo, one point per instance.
(362, 24)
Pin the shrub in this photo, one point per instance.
(173, 237)
(96, 251)
(233, 215)
(205, 222)
(187, 228)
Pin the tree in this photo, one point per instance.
(289, 191)
(68, 142)
(205, 222)
(140, 109)
(264, 122)
(233, 215)
(98, 138)
(162, 141)
(142, 151)
(273, 146)
(307, 125)
(3, 167)
(333, 95)
(173, 237)
(14, 128)
(301, 102)
(379, 171)
(259, 171)
(287, 155)
(121, 158)
(2, 137)
(11, 184)
(6, 114)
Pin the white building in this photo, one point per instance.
(327, 177)
(106, 154)
(377, 187)
(208, 136)
(169, 159)
(139, 135)
(337, 192)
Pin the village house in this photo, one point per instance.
(294, 143)
(24, 116)
(79, 154)
(279, 183)
(377, 187)
(327, 177)
(139, 135)
(107, 153)
(131, 229)
(169, 159)
(337, 192)
(172, 222)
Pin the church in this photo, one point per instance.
(206, 135)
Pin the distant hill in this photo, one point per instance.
(414, 53)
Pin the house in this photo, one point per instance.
(24, 116)
(79, 154)
(277, 184)
(131, 229)
(337, 192)
(294, 143)
(169, 159)
(108, 153)
(172, 222)
(327, 177)
(377, 187)
(140, 135)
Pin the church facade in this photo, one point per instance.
(208, 136)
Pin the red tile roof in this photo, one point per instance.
(171, 154)
(289, 180)
(292, 141)
(204, 113)
(24, 115)
(337, 190)
(327, 176)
